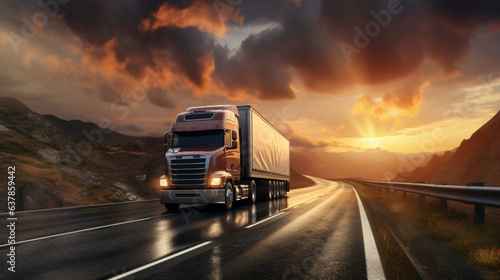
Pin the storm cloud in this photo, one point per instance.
(319, 46)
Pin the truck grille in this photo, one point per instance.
(190, 171)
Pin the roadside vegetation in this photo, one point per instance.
(478, 244)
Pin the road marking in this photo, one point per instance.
(82, 230)
(78, 207)
(310, 200)
(260, 222)
(374, 268)
(160, 261)
(296, 207)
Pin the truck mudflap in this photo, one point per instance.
(192, 196)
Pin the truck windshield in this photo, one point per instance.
(191, 139)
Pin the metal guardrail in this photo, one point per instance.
(477, 195)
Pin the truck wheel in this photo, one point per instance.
(172, 207)
(270, 190)
(253, 192)
(280, 190)
(228, 196)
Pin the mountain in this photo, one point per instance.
(87, 131)
(374, 164)
(475, 160)
(55, 169)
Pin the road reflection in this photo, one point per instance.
(163, 240)
(202, 223)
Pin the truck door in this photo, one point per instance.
(233, 157)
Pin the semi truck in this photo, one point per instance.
(222, 154)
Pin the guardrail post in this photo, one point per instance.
(444, 204)
(479, 210)
(422, 198)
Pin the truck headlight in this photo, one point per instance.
(215, 182)
(163, 182)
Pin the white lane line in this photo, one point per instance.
(296, 207)
(260, 222)
(82, 230)
(61, 209)
(310, 200)
(160, 261)
(374, 268)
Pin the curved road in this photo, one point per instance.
(318, 232)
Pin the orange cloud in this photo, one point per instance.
(4, 38)
(302, 139)
(404, 101)
(54, 63)
(27, 60)
(102, 59)
(206, 16)
(340, 127)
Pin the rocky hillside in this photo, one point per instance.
(475, 160)
(54, 169)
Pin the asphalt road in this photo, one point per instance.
(318, 232)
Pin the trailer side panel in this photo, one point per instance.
(265, 151)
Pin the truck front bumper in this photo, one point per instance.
(192, 196)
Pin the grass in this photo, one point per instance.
(19, 160)
(4, 115)
(12, 147)
(98, 187)
(479, 244)
(398, 266)
(114, 199)
(28, 128)
(487, 257)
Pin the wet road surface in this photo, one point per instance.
(314, 233)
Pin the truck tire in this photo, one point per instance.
(280, 189)
(252, 195)
(270, 190)
(228, 196)
(172, 207)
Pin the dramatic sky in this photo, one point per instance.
(405, 76)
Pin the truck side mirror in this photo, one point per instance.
(167, 141)
(234, 135)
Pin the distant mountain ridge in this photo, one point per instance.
(376, 164)
(475, 160)
(83, 131)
